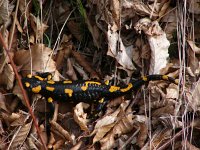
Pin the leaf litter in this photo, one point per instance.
(119, 40)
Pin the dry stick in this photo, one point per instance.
(23, 91)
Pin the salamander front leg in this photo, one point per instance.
(50, 105)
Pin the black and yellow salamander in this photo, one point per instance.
(84, 91)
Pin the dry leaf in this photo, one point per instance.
(143, 134)
(5, 11)
(121, 55)
(123, 126)
(38, 58)
(141, 124)
(193, 46)
(104, 125)
(193, 61)
(159, 137)
(80, 117)
(193, 97)
(24, 7)
(158, 43)
(170, 19)
(38, 27)
(172, 92)
(7, 77)
(70, 72)
(74, 28)
(62, 131)
(2, 103)
(85, 64)
(20, 136)
(113, 126)
(194, 7)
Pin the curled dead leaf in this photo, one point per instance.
(120, 54)
(158, 43)
(80, 117)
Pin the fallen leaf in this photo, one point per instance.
(194, 7)
(20, 136)
(38, 27)
(115, 42)
(7, 76)
(36, 59)
(158, 43)
(2, 103)
(80, 117)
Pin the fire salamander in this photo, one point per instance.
(85, 91)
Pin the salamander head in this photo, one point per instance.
(32, 83)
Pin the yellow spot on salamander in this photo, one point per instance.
(29, 76)
(67, 81)
(50, 88)
(144, 78)
(106, 82)
(50, 100)
(50, 82)
(39, 78)
(85, 86)
(27, 84)
(101, 100)
(36, 89)
(165, 77)
(130, 85)
(49, 77)
(69, 92)
(113, 88)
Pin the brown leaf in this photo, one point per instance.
(24, 7)
(104, 125)
(20, 136)
(7, 76)
(158, 43)
(62, 131)
(120, 55)
(113, 126)
(193, 60)
(38, 27)
(85, 64)
(140, 122)
(171, 20)
(39, 55)
(193, 97)
(108, 142)
(80, 117)
(5, 11)
(160, 136)
(172, 92)
(2, 103)
(194, 7)
(74, 28)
